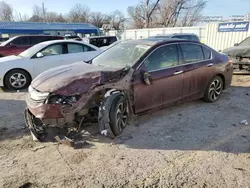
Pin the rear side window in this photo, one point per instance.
(207, 53)
(192, 53)
(195, 38)
(21, 41)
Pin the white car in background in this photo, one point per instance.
(17, 72)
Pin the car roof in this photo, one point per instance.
(157, 41)
(46, 43)
(174, 34)
(100, 37)
(38, 36)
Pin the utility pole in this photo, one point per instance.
(43, 12)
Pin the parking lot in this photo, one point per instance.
(195, 144)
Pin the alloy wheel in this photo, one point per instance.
(18, 80)
(215, 89)
(121, 116)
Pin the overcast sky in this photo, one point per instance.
(214, 7)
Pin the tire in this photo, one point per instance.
(118, 115)
(17, 79)
(214, 89)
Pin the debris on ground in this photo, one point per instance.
(69, 142)
(26, 185)
(38, 148)
(244, 122)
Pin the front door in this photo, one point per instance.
(167, 79)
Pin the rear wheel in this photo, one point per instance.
(214, 90)
(17, 79)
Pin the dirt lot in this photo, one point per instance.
(191, 145)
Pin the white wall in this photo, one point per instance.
(208, 34)
(145, 33)
(222, 40)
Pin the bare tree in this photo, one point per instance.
(6, 12)
(39, 14)
(79, 13)
(117, 20)
(143, 12)
(61, 18)
(98, 19)
(18, 17)
(192, 13)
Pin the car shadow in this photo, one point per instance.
(190, 126)
(6, 90)
(194, 125)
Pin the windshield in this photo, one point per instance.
(121, 55)
(31, 51)
(245, 42)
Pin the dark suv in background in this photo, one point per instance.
(185, 36)
(100, 41)
(16, 45)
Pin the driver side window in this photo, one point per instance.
(162, 58)
(55, 49)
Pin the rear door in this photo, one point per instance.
(198, 68)
(167, 79)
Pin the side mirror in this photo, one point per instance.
(12, 45)
(39, 55)
(147, 78)
(236, 44)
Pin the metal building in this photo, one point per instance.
(10, 29)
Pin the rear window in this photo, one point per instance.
(192, 53)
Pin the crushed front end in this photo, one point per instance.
(46, 109)
(69, 100)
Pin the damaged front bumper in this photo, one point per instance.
(40, 116)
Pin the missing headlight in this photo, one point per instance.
(59, 99)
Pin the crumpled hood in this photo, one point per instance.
(9, 58)
(241, 51)
(74, 78)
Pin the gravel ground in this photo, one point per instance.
(195, 144)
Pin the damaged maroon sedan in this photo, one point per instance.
(130, 78)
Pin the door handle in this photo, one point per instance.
(210, 65)
(178, 72)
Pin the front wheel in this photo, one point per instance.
(17, 79)
(118, 115)
(214, 89)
